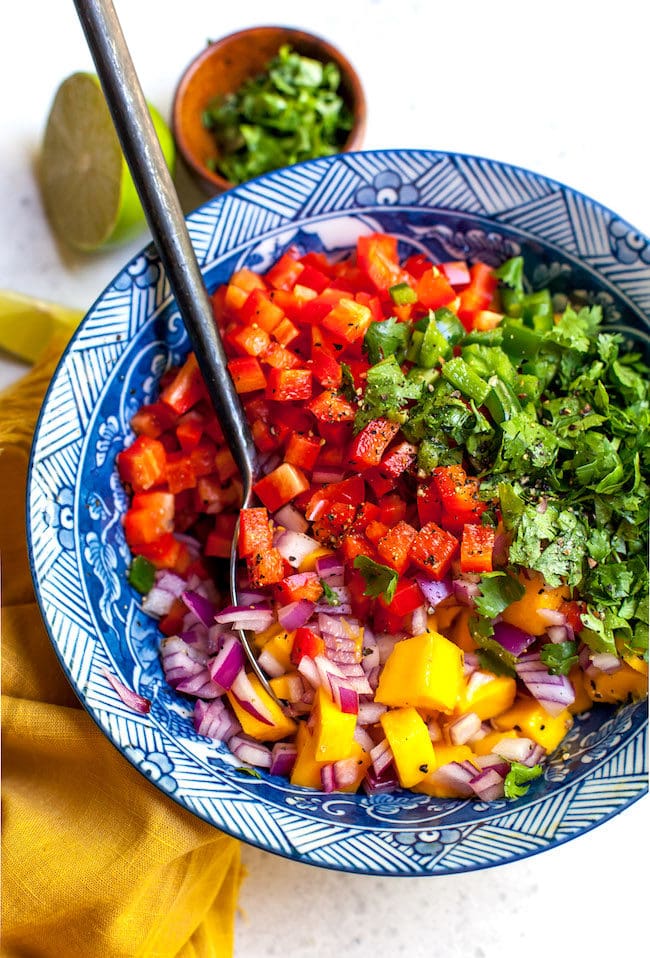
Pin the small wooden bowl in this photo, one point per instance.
(223, 66)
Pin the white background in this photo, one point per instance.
(561, 88)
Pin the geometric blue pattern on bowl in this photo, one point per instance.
(452, 207)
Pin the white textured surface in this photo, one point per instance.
(560, 88)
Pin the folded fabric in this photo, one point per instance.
(96, 862)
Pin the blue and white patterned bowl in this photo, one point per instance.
(452, 207)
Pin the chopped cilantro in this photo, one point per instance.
(388, 392)
(330, 595)
(559, 657)
(498, 590)
(380, 579)
(518, 779)
(386, 338)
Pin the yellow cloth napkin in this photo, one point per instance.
(97, 863)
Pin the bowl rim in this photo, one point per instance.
(349, 73)
(196, 224)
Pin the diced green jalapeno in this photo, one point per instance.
(141, 575)
(461, 377)
(434, 345)
(449, 325)
(402, 294)
(519, 341)
(502, 402)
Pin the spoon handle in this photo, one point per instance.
(166, 221)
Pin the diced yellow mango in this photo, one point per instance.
(279, 646)
(582, 701)
(637, 663)
(281, 725)
(538, 595)
(425, 671)
(460, 631)
(410, 744)
(445, 616)
(533, 721)
(487, 699)
(454, 753)
(281, 684)
(308, 564)
(626, 683)
(261, 638)
(333, 729)
(487, 744)
(306, 770)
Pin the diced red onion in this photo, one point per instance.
(370, 712)
(434, 592)
(515, 749)
(552, 616)
(470, 663)
(327, 474)
(250, 701)
(332, 625)
(386, 643)
(250, 619)
(270, 665)
(435, 732)
(512, 638)
(180, 661)
(130, 698)
(252, 597)
(419, 620)
(289, 517)
(477, 680)
(369, 652)
(466, 590)
(454, 775)
(374, 784)
(488, 785)
(557, 633)
(308, 669)
(228, 662)
(215, 720)
(202, 608)
(381, 756)
(329, 567)
(200, 685)
(250, 751)
(344, 695)
(157, 602)
(606, 662)
(294, 547)
(362, 738)
(463, 728)
(283, 758)
(493, 761)
(170, 582)
(554, 692)
(296, 614)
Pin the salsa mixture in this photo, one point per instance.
(448, 558)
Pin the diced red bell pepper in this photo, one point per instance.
(303, 451)
(286, 385)
(179, 472)
(333, 522)
(189, 430)
(299, 585)
(265, 568)
(186, 388)
(172, 622)
(434, 289)
(397, 460)
(306, 642)
(348, 321)
(261, 310)
(329, 407)
(408, 597)
(164, 553)
(285, 271)
(280, 486)
(478, 295)
(249, 340)
(417, 264)
(573, 610)
(352, 490)
(355, 544)
(368, 512)
(428, 504)
(142, 464)
(324, 365)
(392, 509)
(219, 540)
(151, 516)
(433, 550)
(279, 357)
(254, 531)
(459, 495)
(153, 420)
(369, 445)
(394, 547)
(380, 485)
(286, 332)
(247, 374)
(314, 278)
(476, 548)
(224, 464)
(377, 256)
(376, 530)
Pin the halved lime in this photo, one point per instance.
(87, 189)
(27, 324)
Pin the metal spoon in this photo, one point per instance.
(164, 215)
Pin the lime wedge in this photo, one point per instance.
(87, 189)
(28, 324)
